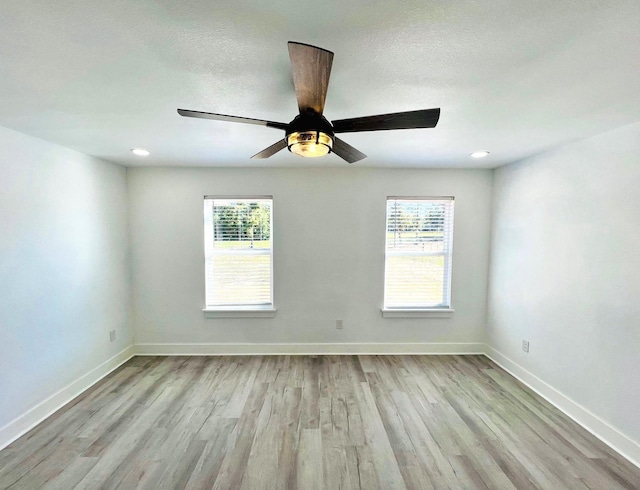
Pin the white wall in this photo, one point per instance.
(565, 272)
(63, 270)
(329, 228)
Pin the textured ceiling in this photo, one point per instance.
(513, 77)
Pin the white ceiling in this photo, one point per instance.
(514, 77)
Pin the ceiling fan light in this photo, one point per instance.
(309, 144)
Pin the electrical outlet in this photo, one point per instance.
(525, 346)
(112, 336)
(339, 324)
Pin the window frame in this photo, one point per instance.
(248, 310)
(443, 310)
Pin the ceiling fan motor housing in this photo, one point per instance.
(309, 135)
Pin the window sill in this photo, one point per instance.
(417, 312)
(239, 312)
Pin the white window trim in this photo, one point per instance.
(417, 312)
(242, 311)
(437, 311)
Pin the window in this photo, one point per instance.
(419, 243)
(238, 253)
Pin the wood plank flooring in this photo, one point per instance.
(311, 422)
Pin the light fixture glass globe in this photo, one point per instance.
(310, 144)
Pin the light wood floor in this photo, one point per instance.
(304, 422)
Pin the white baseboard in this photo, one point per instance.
(612, 437)
(17, 427)
(302, 349)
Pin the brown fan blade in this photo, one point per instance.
(272, 150)
(427, 118)
(237, 119)
(347, 152)
(311, 68)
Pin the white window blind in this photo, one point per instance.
(238, 251)
(419, 243)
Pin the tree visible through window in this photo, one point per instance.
(418, 252)
(238, 252)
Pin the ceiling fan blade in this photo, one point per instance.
(311, 68)
(347, 152)
(427, 118)
(237, 119)
(272, 150)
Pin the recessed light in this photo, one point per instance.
(141, 152)
(479, 154)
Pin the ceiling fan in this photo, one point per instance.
(310, 134)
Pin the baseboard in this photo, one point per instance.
(306, 348)
(612, 437)
(16, 428)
